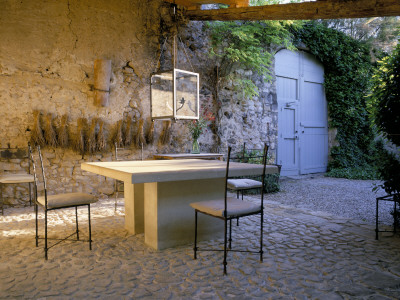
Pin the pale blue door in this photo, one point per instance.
(302, 114)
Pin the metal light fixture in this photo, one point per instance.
(175, 93)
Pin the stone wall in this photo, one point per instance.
(251, 121)
(47, 59)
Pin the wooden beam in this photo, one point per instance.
(331, 9)
(188, 4)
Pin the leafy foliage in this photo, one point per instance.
(348, 69)
(366, 172)
(196, 127)
(385, 109)
(380, 33)
(245, 44)
(384, 102)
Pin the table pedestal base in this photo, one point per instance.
(168, 217)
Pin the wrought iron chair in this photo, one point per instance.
(58, 201)
(16, 178)
(239, 185)
(395, 198)
(122, 154)
(242, 184)
(229, 208)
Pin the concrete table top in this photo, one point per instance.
(189, 156)
(173, 170)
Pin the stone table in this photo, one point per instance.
(158, 192)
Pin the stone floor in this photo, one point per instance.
(308, 255)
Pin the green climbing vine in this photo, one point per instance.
(384, 105)
(348, 70)
(246, 45)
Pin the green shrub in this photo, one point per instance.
(366, 172)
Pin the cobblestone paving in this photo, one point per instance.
(308, 255)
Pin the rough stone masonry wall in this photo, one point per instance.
(251, 121)
(47, 55)
(238, 119)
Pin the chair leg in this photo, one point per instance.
(77, 227)
(230, 233)
(116, 195)
(30, 194)
(261, 235)
(37, 225)
(376, 220)
(225, 242)
(237, 219)
(90, 229)
(395, 217)
(45, 235)
(195, 234)
(2, 200)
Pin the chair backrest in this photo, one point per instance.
(125, 154)
(264, 162)
(35, 178)
(252, 155)
(35, 175)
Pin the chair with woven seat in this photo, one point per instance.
(58, 201)
(23, 176)
(229, 208)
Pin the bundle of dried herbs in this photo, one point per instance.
(63, 137)
(37, 137)
(140, 139)
(49, 132)
(101, 140)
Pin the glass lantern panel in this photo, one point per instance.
(162, 95)
(186, 94)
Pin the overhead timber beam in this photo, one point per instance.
(196, 4)
(329, 9)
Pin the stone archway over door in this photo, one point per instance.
(302, 113)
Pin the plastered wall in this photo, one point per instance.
(47, 54)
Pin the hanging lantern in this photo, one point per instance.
(175, 95)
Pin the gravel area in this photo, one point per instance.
(341, 197)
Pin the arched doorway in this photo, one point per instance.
(302, 113)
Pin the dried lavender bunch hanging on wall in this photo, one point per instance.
(37, 137)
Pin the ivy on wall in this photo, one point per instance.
(348, 69)
(245, 45)
(384, 105)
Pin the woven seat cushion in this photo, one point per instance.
(243, 184)
(235, 207)
(67, 199)
(16, 178)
